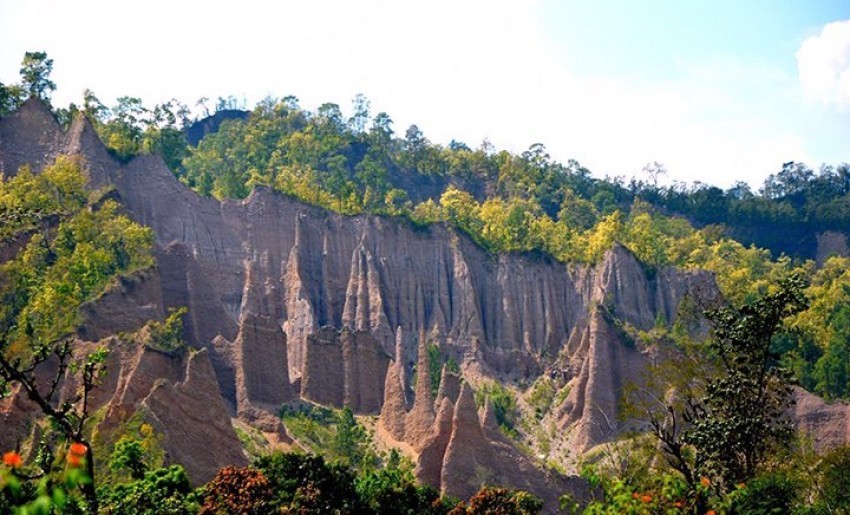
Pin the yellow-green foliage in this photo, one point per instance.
(167, 336)
(26, 199)
(70, 262)
(134, 429)
(829, 291)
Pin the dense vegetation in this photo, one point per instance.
(71, 244)
(68, 244)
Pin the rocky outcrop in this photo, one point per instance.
(419, 421)
(831, 243)
(127, 306)
(603, 366)
(469, 460)
(346, 368)
(828, 425)
(138, 370)
(17, 417)
(489, 423)
(193, 419)
(29, 136)
(280, 293)
(306, 268)
(429, 465)
(393, 415)
(261, 372)
(462, 454)
(322, 378)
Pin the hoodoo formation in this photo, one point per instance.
(288, 302)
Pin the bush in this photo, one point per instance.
(307, 482)
(835, 479)
(393, 491)
(500, 501)
(238, 490)
(164, 490)
(768, 494)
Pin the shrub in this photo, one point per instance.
(301, 481)
(237, 490)
(500, 501)
(835, 479)
(164, 490)
(768, 494)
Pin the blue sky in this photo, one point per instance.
(716, 91)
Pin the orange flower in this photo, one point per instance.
(78, 449)
(704, 481)
(635, 495)
(645, 498)
(74, 460)
(12, 459)
(742, 485)
(679, 504)
(711, 512)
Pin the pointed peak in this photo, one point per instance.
(394, 409)
(466, 399)
(466, 414)
(422, 393)
(449, 385)
(33, 103)
(488, 420)
(35, 112)
(422, 358)
(445, 411)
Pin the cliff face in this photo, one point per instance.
(287, 300)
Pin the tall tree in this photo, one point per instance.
(740, 418)
(360, 117)
(35, 75)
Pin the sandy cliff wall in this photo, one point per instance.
(288, 300)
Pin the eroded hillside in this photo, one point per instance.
(287, 301)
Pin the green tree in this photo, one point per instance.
(832, 370)
(35, 75)
(163, 490)
(393, 490)
(461, 209)
(501, 501)
(129, 454)
(834, 480)
(360, 117)
(350, 439)
(740, 419)
(10, 98)
(577, 212)
(302, 482)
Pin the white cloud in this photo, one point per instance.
(823, 62)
